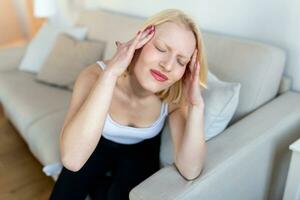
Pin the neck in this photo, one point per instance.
(133, 89)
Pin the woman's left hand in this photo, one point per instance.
(191, 84)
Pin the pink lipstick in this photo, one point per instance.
(158, 75)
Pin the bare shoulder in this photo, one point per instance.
(85, 77)
(82, 87)
(84, 83)
(90, 74)
(86, 80)
(172, 107)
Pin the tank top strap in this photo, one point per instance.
(101, 64)
(164, 110)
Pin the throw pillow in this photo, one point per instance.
(40, 46)
(221, 100)
(67, 59)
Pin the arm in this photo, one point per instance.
(190, 154)
(81, 135)
(187, 126)
(85, 120)
(187, 133)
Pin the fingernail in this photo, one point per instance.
(151, 31)
(148, 27)
(152, 28)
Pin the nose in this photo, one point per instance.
(167, 64)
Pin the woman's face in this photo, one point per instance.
(168, 51)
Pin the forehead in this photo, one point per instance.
(177, 37)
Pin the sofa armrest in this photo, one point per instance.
(239, 161)
(10, 57)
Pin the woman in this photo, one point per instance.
(111, 135)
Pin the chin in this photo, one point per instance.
(149, 83)
(152, 86)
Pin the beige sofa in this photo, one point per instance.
(248, 160)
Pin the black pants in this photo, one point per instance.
(111, 172)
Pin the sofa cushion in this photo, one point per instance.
(26, 100)
(120, 27)
(43, 137)
(221, 99)
(258, 67)
(67, 59)
(40, 46)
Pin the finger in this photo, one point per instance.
(197, 72)
(192, 63)
(134, 43)
(118, 43)
(192, 66)
(148, 31)
(144, 33)
(146, 38)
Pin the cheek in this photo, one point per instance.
(184, 71)
(185, 74)
(178, 74)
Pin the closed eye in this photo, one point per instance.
(159, 49)
(180, 63)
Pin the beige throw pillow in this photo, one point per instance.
(67, 59)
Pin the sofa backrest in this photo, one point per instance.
(109, 26)
(258, 67)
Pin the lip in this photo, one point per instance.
(158, 76)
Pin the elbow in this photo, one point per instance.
(71, 165)
(68, 161)
(189, 175)
(192, 176)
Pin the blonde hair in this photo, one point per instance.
(174, 94)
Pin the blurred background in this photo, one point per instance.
(273, 22)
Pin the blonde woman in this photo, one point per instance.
(111, 135)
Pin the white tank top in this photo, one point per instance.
(130, 135)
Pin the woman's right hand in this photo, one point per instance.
(125, 51)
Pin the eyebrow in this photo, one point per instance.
(171, 48)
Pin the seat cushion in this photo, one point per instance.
(43, 137)
(25, 100)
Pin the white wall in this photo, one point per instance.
(10, 29)
(273, 22)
